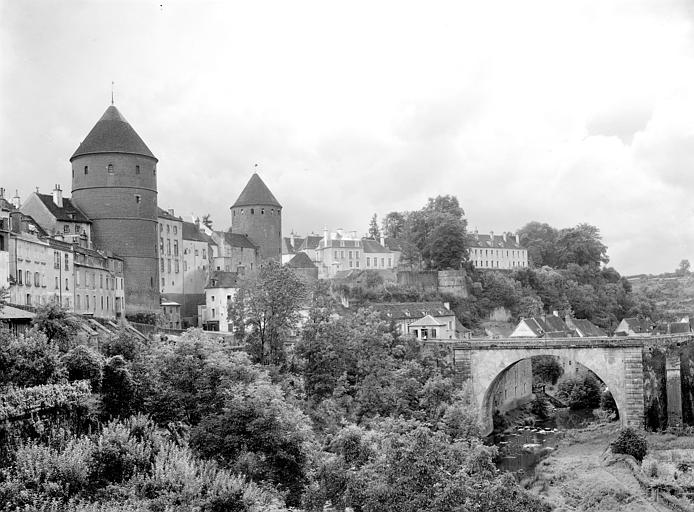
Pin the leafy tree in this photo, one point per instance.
(269, 303)
(546, 369)
(82, 363)
(540, 241)
(394, 224)
(374, 232)
(580, 392)
(683, 269)
(581, 245)
(57, 323)
(118, 388)
(29, 361)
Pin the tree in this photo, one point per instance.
(394, 224)
(546, 369)
(683, 269)
(581, 245)
(268, 303)
(374, 232)
(57, 323)
(539, 239)
(207, 220)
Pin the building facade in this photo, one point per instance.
(170, 254)
(114, 182)
(219, 292)
(340, 250)
(497, 251)
(59, 217)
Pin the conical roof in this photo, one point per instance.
(256, 193)
(112, 134)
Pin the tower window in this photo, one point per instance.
(73, 173)
(138, 198)
(86, 169)
(252, 211)
(137, 169)
(154, 170)
(262, 211)
(110, 168)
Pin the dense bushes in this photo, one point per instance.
(580, 392)
(630, 442)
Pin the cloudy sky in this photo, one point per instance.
(560, 112)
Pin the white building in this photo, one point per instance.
(497, 251)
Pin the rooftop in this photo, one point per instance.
(401, 310)
(301, 260)
(112, 134)
(192, 232)
(498, 242)
(256, 193)
(222, 279)
(69, 212)
(238, 240)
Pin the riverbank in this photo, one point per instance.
(577, 476)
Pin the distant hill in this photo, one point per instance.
(672, 293)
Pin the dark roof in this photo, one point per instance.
(300, 243)
(679, 327)
(287, 246)
(6, 205)
(192, 232)
(69, 212)
(371, 246)
(550, 326)
(256, 193)
(222, 279)
(166, 215)
(478, 240)
(310, 242)
(301, 260)
(588, 328)
(112, 134)
(400, 310)
(28, 224)
(238, 240)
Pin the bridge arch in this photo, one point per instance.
(618, 363)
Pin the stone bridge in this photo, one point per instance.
(616, 361)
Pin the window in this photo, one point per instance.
(28, 299)
(161, 244)
(390, 262)
(336, 254)
(86, 302)
(357, 263)
(138, 198)
(154, 170)
(176, 266)
(94, 301)
(77, 278)
(77, 302)
(37, 279)
(102, 303)
(86, 170)
(262, 211)
(185, 265)
(77, 229)
(66, 228)
(204, 254)
(175, 247)
(67, 262)
(66, 284)
(101, 280)
(56, 259)
(109, 168)
(342, 254)
(252, 211)
(137, 169)
(163, 282)
(196, 252)
(350, 255)
(175, 230)
(162, 265)
(350, 263)
(368, 261)
(168, 247)
(213, 312)
(57, 284)
(383, 262)
(168, 266)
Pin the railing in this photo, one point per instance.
(564, 343)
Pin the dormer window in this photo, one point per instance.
(109, 168)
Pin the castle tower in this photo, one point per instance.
(258, 214)
(114, 182)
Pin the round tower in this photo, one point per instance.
(114, 182)
(258, 214)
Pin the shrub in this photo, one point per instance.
(580, 392)
(540, 407)
(607, 403)
(82, 363)
(630, 442)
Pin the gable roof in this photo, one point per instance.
(301, 260)
(550, 325)
(112, 134)
(191, 232)
(222, 279)
(638, 325)
(166, 215)
(425, 321)
(238, 240)
(310, 242)
(256, 193)
(588, 328)
(69, 212)
(403, 310)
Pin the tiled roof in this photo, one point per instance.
(426, 321)
(166, 215)
(401, 310)
(550, 326)
(7, 206)
(10, 313)
(485, 241)
(256, 193)
(191, 232)
(222, 279)
(301, 260)
(588, 328)
(238, 240)
(372, 246)
(112, 134)
(69, 212)
(638, 325)
(310, 242)
(287, 246)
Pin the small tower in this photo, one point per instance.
(257, 214)
(114, 182)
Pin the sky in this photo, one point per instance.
(558, 112)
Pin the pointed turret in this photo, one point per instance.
(256, 193)
(112, 134)
(258, 215)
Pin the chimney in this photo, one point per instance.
(340, 232)
(555, 313)
(491, 237)
(325, 236)
(383, 240)
(58, 196)
(517, 238)
(171, 211)
(291, 238)
(505, 235)
(477, 235)
(16, 201)
(2, 193)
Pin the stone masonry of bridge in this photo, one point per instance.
(616, 361)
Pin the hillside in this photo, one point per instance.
(673, 294)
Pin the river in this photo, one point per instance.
(521, 448)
